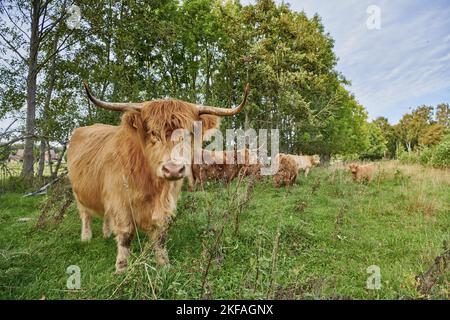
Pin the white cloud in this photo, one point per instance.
(403, 62)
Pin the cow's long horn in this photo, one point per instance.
(115, 106)
(225, 112)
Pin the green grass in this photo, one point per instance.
(314, 240)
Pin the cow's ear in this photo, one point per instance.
(133, 121)
(209, 122)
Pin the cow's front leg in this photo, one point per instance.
(86, 221)
(191, 183)
(306, 172)
(123, 250)
(157, 236)
(106, 227)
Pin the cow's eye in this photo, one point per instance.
(154, 137)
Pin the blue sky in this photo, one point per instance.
(404, 64)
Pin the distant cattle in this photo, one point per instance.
(252, 170)
(128, 175)
(16, 157)
(287, 170)
(362, 172)
(306, 163)
(53, 156)
(220, 166)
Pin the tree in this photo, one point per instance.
(412, 125)
(433, 134)
(198, 50)
(377, 145)
(29, 25)
(443, 114)
(389, 134)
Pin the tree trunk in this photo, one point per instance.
(42, 149)
(50, 163)
(28, 157)
(58, 163)
(325, 159)
(208, 74)
(46, 110)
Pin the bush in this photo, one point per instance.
(438, 156)
(409, 157)
(441, 154)
(425, 156)
(18, 184)
(377, 144)
(345, 158)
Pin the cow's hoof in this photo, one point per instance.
(121, 266)
(120, 271)
(162, 259)
(86, 237)
(107, 234)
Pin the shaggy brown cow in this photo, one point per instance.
(306, 163)
(221, 169)
(252, 170)
(287, 171)
(362, 172)
(126, 173)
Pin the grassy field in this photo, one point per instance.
(314, 240)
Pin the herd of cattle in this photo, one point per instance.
(288, 168)
(18, 156)
(127, 175)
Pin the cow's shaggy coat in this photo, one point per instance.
(306, 163)
(287, 171)
(362, 173)
(226, 167)
(126, 173)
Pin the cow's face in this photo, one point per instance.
(151, 126)
(316, 160)
(158, 126)
(353, 168)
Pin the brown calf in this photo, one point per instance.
(362, 172)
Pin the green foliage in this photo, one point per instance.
(377, 143)
(347, 157)
(424, 126)
(205, 52)
(425, 155)
(432, 135)
(400, 178)
(438, 156)
(441, 154)
(389, 135)
(17, 184)
(443, 114)
(406, 157)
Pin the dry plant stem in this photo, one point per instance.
(276, 244)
